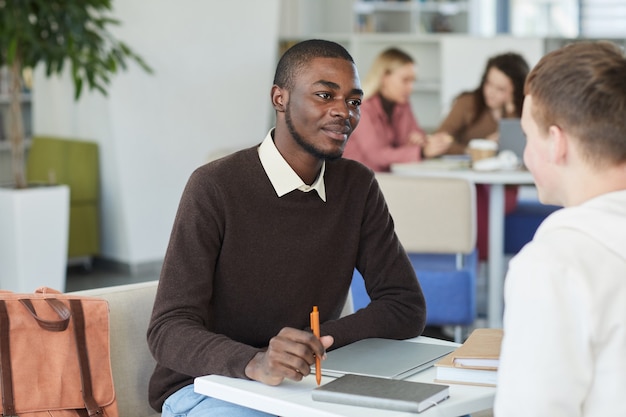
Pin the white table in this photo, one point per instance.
(293, 399)
(497, 180)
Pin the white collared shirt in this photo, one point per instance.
(283, 178)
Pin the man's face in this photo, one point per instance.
(537, 152)
(323, 106)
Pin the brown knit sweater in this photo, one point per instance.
(243, 263)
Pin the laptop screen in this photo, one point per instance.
(511, 137)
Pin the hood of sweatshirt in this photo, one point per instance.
(602, 218)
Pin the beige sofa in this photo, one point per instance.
(132, 364)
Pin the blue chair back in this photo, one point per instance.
(435, 220)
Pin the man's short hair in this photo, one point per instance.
(299, 55)
(581, 88)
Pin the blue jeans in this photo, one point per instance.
(186, 403)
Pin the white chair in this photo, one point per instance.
(435, 220)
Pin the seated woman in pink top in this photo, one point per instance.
(388, 131)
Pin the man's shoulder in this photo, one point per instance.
(226, 162)
(237, 164)
(602, 219)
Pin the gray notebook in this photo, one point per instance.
(384, 358)
(367, 391)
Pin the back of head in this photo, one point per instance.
(582, 89)
(385, 62)
(299, 55)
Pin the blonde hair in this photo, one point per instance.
(387, 61)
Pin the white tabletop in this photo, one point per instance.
(512, 177)
(293, 399)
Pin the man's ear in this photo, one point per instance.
(559, 142)
(279, 98)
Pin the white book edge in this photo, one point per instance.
(477, 376)
(473, 362)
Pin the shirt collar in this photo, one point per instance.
(283, 178)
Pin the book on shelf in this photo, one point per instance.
(475, 362)
(384, 393)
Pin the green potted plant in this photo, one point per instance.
(57, 34)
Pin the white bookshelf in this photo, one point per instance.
(304, 17)
(412, 16)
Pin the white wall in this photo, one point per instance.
(214, 62)
(463, 60)
(315, 17)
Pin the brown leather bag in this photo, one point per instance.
(54, 355)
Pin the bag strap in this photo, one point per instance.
(6, 371)
(6, 379)
(58, 306)
(83, 358)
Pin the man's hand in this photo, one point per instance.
(290, 355)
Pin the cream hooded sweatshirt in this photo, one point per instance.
(564, 349)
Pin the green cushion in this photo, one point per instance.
(75, 163)
(84, 238)
(64, 161)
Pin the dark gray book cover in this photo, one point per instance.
(390, 394)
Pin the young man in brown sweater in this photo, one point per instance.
(266, 233)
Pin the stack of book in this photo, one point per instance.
(475, 362)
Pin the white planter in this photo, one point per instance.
(34, 232)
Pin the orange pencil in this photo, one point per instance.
(315, 326)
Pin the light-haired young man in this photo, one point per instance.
(564, 347)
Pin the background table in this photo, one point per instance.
(293, 399)
(497, 180)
